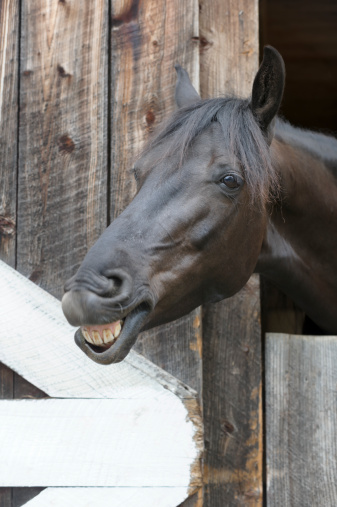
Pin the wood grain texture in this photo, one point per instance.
(233, 465)
(63, 137)
(301, 420)
(228, 47)
(147, 39)
(231, 329)
(9, 67)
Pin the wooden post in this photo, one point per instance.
(231, 329)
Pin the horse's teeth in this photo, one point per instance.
(96, 337)
(118, 329)
(86, 335)
(102, 336)
(107, 336)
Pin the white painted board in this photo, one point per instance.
(120, 443)
(124, 426)
(108, 497)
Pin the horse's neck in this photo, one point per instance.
(299, 250)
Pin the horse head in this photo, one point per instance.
(193, 232)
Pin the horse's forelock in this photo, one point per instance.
(242, 136)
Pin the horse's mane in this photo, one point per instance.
(242, 137)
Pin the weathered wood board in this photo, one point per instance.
(132, 424)
(231, 329)
(63, 154)
(233, 465)
(301, 420)
(9, 65)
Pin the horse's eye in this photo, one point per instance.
(231, 181)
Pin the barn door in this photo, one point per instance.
(82, 86)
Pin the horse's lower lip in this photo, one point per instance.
(133, 323)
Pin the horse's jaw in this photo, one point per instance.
(119, 346)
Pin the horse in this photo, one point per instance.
(224, 190)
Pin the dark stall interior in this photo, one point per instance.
(305, 33)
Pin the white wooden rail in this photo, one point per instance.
(129, 433)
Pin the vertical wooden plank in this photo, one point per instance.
(63, 137)
(147, 39)
(231, 329)
(228, 46)
(9, 66)
(301, 420)
(62, 195)
(233, 465)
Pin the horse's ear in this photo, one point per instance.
(268, 88)
(185, 94)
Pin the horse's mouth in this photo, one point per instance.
(110, 343)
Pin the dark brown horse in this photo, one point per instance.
(225, 189)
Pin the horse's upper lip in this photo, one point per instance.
(133, 323)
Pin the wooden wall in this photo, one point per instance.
(82, 86)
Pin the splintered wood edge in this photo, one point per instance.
(165, 379)
(194, 413)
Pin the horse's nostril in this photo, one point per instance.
(115, 284)
(113, 287)
(119, 284)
